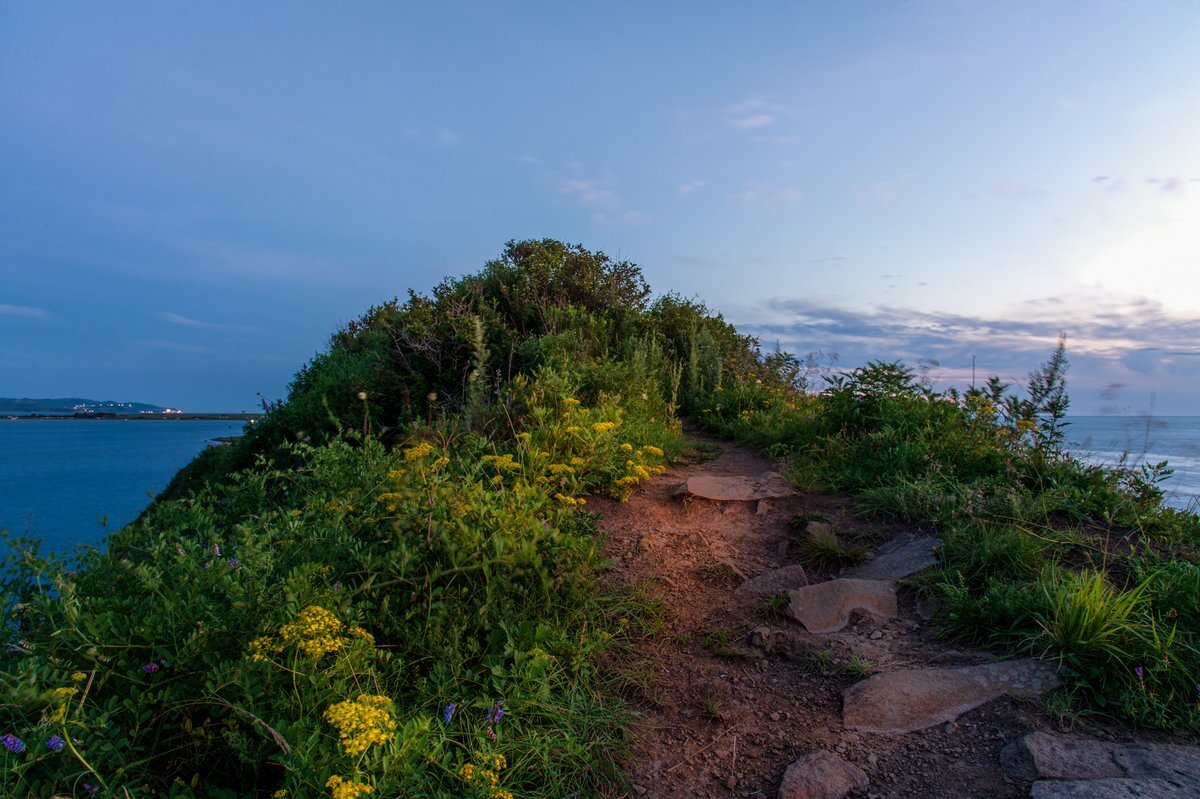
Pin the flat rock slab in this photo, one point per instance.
(775, 581)
(899, 561)
(1115, 788)
(826, 607)
(1043, 756)
(905, 701)
(821, 775)
(736, 488)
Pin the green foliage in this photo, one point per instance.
(823, 549)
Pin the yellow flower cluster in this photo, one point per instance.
(652, 450)
(604, 427)
(362, 722)
(315, 632)
(570, 401)
(422, 450)
(577, 461)
(560, 468)
(347, 789)
(61, 694)
(627, 447)
(78, 676)
(571, 501)
(502, 462)
(571, 428)
(485, 774)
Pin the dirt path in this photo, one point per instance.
(735, 691)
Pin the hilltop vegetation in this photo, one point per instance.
(389, 585)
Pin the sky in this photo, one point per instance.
(194, 196)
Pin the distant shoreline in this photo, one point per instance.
(125, 417)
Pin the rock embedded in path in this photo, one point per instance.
(826, 607)
(821, 775)
(1069, 766)
(736, 488)
(1042, 756)
(775, 581)
(899, 559)
(910, 700)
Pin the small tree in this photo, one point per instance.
(1048, 399)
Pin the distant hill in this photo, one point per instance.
(25, 405)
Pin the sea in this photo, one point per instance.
(71, 482)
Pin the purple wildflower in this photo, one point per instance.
(495, 713)
(1141, 675)
(151, 667)
(337, 586)
(448, 713)
(92, 788)
(12, 743)
(55, 743)
(234, 563)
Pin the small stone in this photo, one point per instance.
(872, 760)
(736, 488)
(776, 716)
(821, 775)
(640, 790)
(763, 637)
(731, 782)
(875, 636)
(950, 728)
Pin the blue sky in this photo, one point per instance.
(194, 196)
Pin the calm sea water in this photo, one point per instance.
(68, 482)
(1144, 439)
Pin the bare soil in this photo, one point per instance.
(722, 717)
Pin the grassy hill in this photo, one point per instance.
(389, 585)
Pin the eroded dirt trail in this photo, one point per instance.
(736, 690)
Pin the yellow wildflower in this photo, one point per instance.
(577, 461)
(502, 462)
(421, 450)
(627, 447)
(652, 450)
(570, 401)
(362, 722)
(560, 468)
(315, 632)
(61, 694)
(347, 789)
(604, 427)
(573, 428)
(78, 676)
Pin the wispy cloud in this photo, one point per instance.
(768, 194)
(172, 346)
(588, 192)
(753, 121)
(187, 321)
(636, 218)
(27, 311)
(688, 188)
(752, 114)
